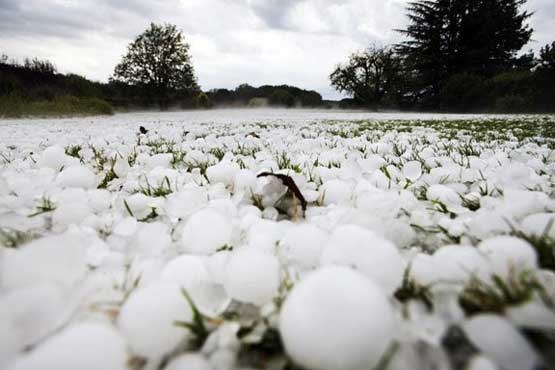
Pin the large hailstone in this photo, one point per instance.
(223, 172)
(84, 346)
(538, 225)
(336, 192)
(507, 253)
(303, 245)
(147, 319)
(412, 170)
(189, 361)
(77, 176)
(501, 341)
(53, 157)
(367, 252)
(336, 319)
(206, 231)
(191, 273)
(34, 312)
(252, 276)
(59, 259)
(459, 263)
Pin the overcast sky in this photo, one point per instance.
(295, 42)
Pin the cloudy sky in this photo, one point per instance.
(295, 42)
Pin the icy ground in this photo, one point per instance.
(427, 243)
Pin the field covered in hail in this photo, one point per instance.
(427, 242)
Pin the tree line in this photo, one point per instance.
(459, 55)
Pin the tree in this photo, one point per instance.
(368, 76)
(158, 61)
(547, 56)
(450, 37)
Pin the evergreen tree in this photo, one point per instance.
(451, 37)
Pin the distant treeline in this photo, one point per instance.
(35, 88)
(282, 96)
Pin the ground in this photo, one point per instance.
(427, 241)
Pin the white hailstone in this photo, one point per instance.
(84, 346)
(372, 163)
(336, 192)
(481, 362)
(501, 341)
(270, 213)
(185, 271)
(515, 175)
(35, 311)
(520, 203)
(423, 269)
(303, 245)
(216, 264)
(147, 319)
(381, 203)
(185, 202)
(443, 194)
(10, 345)
(126, 227)
(70, 213)
(162, 160)
(367, 252)
(412, 170)
(223, 172)
(99, 199)
(206, 231)
(488, 222)
(190, 273)
(538, 225)
(245, 180)
(252, 276)
(151, 239)
(532, 315)
(77, 176)
(507, 253)
(336, 319)
(59, 259)
(139, 204)
(121, 167)
(264, 234)
(195, 157)
(189, 361)
(459, 263)
(53, 157)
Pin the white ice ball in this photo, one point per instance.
(507, 253)
(206, 231)
(189, 361)
(59, 259)
(77, 176)
(336, 319)
(367, 252)
(147, 319)
(252, 276)
(53, 157)
(501, 341)
(84, 346)
(303, 245)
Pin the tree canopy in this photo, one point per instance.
(450, 37)
(158, 61)
(369, 75)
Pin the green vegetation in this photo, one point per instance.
(458, 56)
(14, 106)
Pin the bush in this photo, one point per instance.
(281, 98)
(16, 106)
(463, 93)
